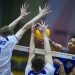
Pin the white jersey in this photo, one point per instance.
(48, 70)
(6, 47)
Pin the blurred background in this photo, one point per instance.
(61, 22)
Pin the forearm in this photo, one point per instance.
(62, 71)
(32, 45)
(46, 44)
(15, 22)
(35, 19)
(32, 48)
(28, 25)
(47, 49)
(55, 45)
(52, 43)
(20, 33)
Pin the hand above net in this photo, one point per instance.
(45, 10)
(23, 10)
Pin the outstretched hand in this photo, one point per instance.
(23, 10)
(45, 10)
(43, 26)
(33, 27)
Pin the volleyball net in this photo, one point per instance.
(41, 51)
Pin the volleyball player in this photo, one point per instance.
(37, 64)
(9, 40)
(70, 46)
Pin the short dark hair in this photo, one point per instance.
(38, 63)
(5, 31)
(73, 36)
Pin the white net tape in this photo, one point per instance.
(41, 51)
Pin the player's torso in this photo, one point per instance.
(3, 47)
(5, 53)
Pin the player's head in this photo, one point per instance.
(5, 31)
(71, 43)
(38, 63)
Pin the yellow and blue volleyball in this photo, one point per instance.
(39, 35)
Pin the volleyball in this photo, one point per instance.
(39, 35)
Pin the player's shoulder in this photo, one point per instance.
(28, 69)
(3, 41)
(48, 65)
(49, 68)
(13, 38)
(65, 49)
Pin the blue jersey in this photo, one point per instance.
(6, 47)
(48, 70)
(67, 63)
(65, 50)
(61, 59)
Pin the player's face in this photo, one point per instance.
(71, 44)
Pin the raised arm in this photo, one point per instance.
(61, 66)
(32, 45)
(23, 13)
(42, 13)
(47, 48)
(56, 46)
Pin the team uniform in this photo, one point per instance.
(67, 66)
(62, 60)
(6, 47)
(48, 70)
